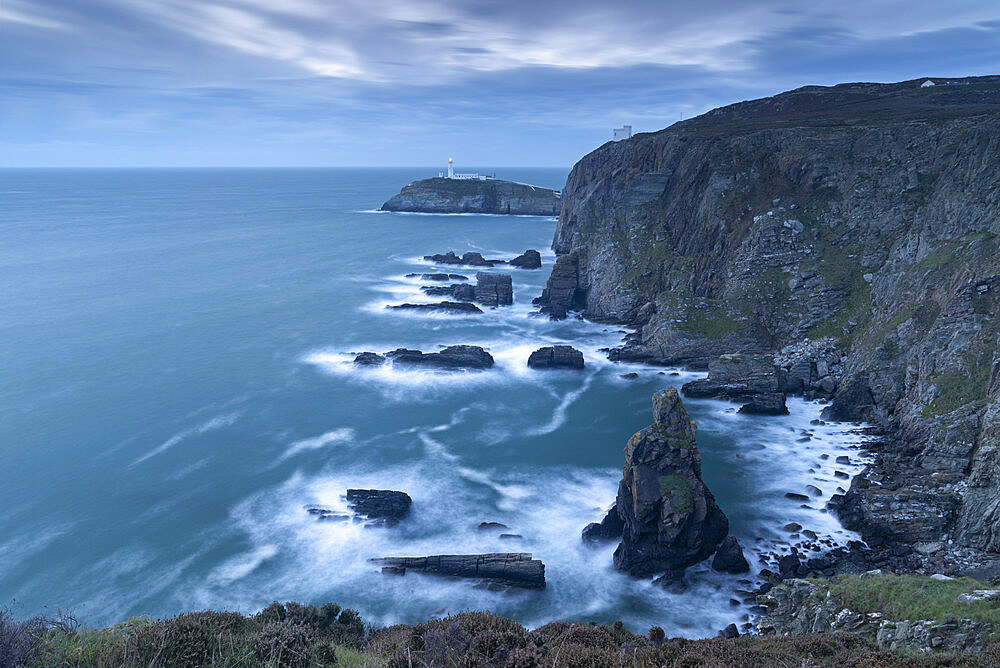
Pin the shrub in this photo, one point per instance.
(284, 644)
(20, 641)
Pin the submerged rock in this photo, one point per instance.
(510, 569)
(530, 259)
(385, 506)
(454, 357)
(670, 518)
(493, 289)
(461, 307)
(556, 357)
(463, 292)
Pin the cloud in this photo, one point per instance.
(319, 82)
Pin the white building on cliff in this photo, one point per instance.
(452, 174)
(624, 132)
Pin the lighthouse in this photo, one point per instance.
(451, 168)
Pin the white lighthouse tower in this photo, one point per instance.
(451, 168)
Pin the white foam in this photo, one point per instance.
(334, 437)
(216, 422)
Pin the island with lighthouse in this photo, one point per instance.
(453, 192)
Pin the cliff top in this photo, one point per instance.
(852, 104)
(473, 186)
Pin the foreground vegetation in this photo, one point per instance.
(294, 635)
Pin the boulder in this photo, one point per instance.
(386, 507)
(369, 359)
(530, 259)
(556, 357)
(452, 357)
(510, 569)
(493, 289)
(670, 518)
(444, 258)
(768, 403)
(729, 557)
(562, 292)
(460, 307)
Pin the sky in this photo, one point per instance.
(409, 82)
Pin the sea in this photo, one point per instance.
(177, 387)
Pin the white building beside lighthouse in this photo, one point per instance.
(451, 174)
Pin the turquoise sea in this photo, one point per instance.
(176, 386)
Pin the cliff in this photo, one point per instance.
(440, 195)
(850, 231)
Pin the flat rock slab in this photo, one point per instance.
(452, 357)
(514, 569)
(459, 307)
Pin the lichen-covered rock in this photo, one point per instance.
(670, 518)
(441, 195)
(556, 357)
(494, 289)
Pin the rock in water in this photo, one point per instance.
(610, 528)
(460, 291)
(510, 569)
(385, 506)
(729, 558)
(369, 359)
(739, 377)
(562, 292)
(462, 307)
(769, 403)
(454, 357)
(493, 289)
(670, 518)
(531, 259)
(556, 357)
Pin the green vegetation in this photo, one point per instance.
(679, 491)
(304, 636)
(913, 597)
(959, 386)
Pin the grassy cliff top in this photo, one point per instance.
(851, 104)
(474, 186)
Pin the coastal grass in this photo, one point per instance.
(914, 597)
(297, 636)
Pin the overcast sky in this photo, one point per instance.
(407, 82)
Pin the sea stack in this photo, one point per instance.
(669, 517)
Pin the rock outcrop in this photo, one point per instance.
(556, 357)
(463, 292)
(504, 569)
(729, 557)
(530, 259)
(669, 517)
(441, 195)
(798, 607)
(470, 259)
(385, 507)
(852, 233)
(562, 292)
(494, 289)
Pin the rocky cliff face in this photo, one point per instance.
(439, 195)
(849, 231)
